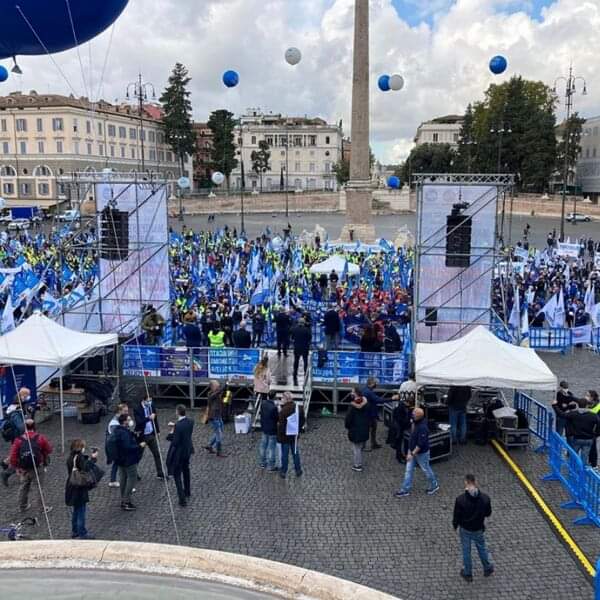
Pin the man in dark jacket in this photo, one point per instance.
(268, 443)
(242, 337)
(564, 397)
(470, 511)
(302, 336)
(582, 428)
(191, 332)
(374, 401)
(147, 430)
(332, 327)
(391, 339)
(458, 399)
(288, 431)
(127, 453)
(418, 453)
(283, 324)
(180, 453)
(357, 423)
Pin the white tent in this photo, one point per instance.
(335, 263)
(481, 359)
(39, 341)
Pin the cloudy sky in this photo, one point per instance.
(441, 47)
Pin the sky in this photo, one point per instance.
(441, 47)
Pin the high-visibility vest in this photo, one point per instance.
(216, 340)
(596, 409)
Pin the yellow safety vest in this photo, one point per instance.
(596, 409)
(216, 340)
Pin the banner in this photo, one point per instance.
(568, 250)
(582, 335)
(232, 363)
(24, 377)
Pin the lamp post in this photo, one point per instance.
(500, 131)
(139, 91)
(570, 90)
(240, 153)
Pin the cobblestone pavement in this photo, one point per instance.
(334, 520)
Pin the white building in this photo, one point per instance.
(588, 165)
(442, 130)
(306, 149)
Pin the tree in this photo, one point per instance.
(222, 154)
(177, 109)
(342, 171)
(572, 130)
(260, 160)
(467, 144)
(429, 158)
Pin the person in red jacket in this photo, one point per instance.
(29, 455)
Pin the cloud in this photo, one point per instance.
(444, 64)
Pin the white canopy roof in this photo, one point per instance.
(337, 263)
(481, 359)
(39, 341)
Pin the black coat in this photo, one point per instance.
(76, 496)
(268, 417)
(357, 422)
(182, 447)
(470, 512)
(192, 335)
(391, 341)
(242, 339)
(331, 322)
(128, 451)
(283, 324)
(302, 336)
(140, 418)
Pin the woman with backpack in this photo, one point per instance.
(77, 497)
(358, 421)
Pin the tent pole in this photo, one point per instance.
(62, 415)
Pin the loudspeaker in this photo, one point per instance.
(114, 234)
(458, 240)
(431, 316)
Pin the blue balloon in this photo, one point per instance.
(394, 182)
(3, 74)
(498, 65)
(50, 20)
(384, 83)
(231, 78)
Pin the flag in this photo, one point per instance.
(525, 329)
(8, 317)
(259, 295)
(555, 310)
(515, 314)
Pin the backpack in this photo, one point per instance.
(9, 431)
(30, 453)
(111, 448)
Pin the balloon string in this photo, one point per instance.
(45, 49)
(106, 57)
(83, 78)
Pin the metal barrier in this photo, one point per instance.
(590, 498)
(557, 339)
(541, 418)
(597, 581)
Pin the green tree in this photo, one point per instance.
(177, 120)
(572, 130)
(260, 160)
(342, 171)
(222, 154)
(467, 144)
(429, 158)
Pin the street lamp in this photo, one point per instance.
(139, 91)
(570, 90)
(500, 131)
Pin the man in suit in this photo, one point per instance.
(180, 452)
(302, 336)
(147, 430)
(241, 337)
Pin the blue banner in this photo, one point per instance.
(234, 363)
(24, 376)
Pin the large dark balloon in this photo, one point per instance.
(3, 74)
(498, 65)
(50, 20)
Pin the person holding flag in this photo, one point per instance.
(289, 425)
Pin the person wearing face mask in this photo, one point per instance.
(470, 511)
(16, 413)
(147, 430)
(122, 409)
(564, 397)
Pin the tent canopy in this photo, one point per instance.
(40, 341)
(481, 359)
(335, 263)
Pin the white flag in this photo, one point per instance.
(292, 426)
(515, 314)
(525, 329)
(8, 317)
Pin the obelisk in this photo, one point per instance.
(359, 195)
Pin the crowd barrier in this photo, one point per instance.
(554, 339)
(597, 582)
(541, 418)
(581, 482)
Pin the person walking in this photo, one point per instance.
(358, 422)
(418, 454)
(215, 418)
(302, 337)
(29, 455)
(289, 425)
(470, 511)
(458, 399)
(374, 401)
(125, 450)
(122, 409)
(582, 428)
(262, 378)
(180, 453)
(147, 430)
(78, 497)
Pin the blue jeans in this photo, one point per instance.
(582, 447)
(285, 450)
(267, 455)
(78, 521)
(217, 438)
(421, 459)
(476, 537)
(458, 420)
(113, 472)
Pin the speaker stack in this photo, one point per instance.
(458, 240)
(114, 243)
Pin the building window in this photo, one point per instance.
(7, 171)
(88, 127)
(76, 147)
(142, 135)
(25, 189)
(122, 132)
(89, 149)
(436, 137)
(75, 125)
(40, 125)
(132, 133)
(327, 167)
(152, 136)
(253, 140)
(43, 189)
(298, 167)
(161, 156)
(122, 151)
(59, 147)
(152, 154)
(112, 131)
(298, 184)
(40, 147)
(169, 157)
(21, 125)
(112, 151)
(8, 189)
(101, 149)
(3, 125)
(311, 167)
(594, 153)
(42, 171)
(57, 124)
(5, 148)
(100, 129)
(312, 140)
(269, 139)
(587, 152)
(23, 147)
(297, 140)
(327, 139)
(133, 153)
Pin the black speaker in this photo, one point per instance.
(114, 234)
(458, 240)
(431, 316)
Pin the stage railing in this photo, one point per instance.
(541, 418)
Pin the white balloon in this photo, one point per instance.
(293, 56)
(218, 178)
(396, 82)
